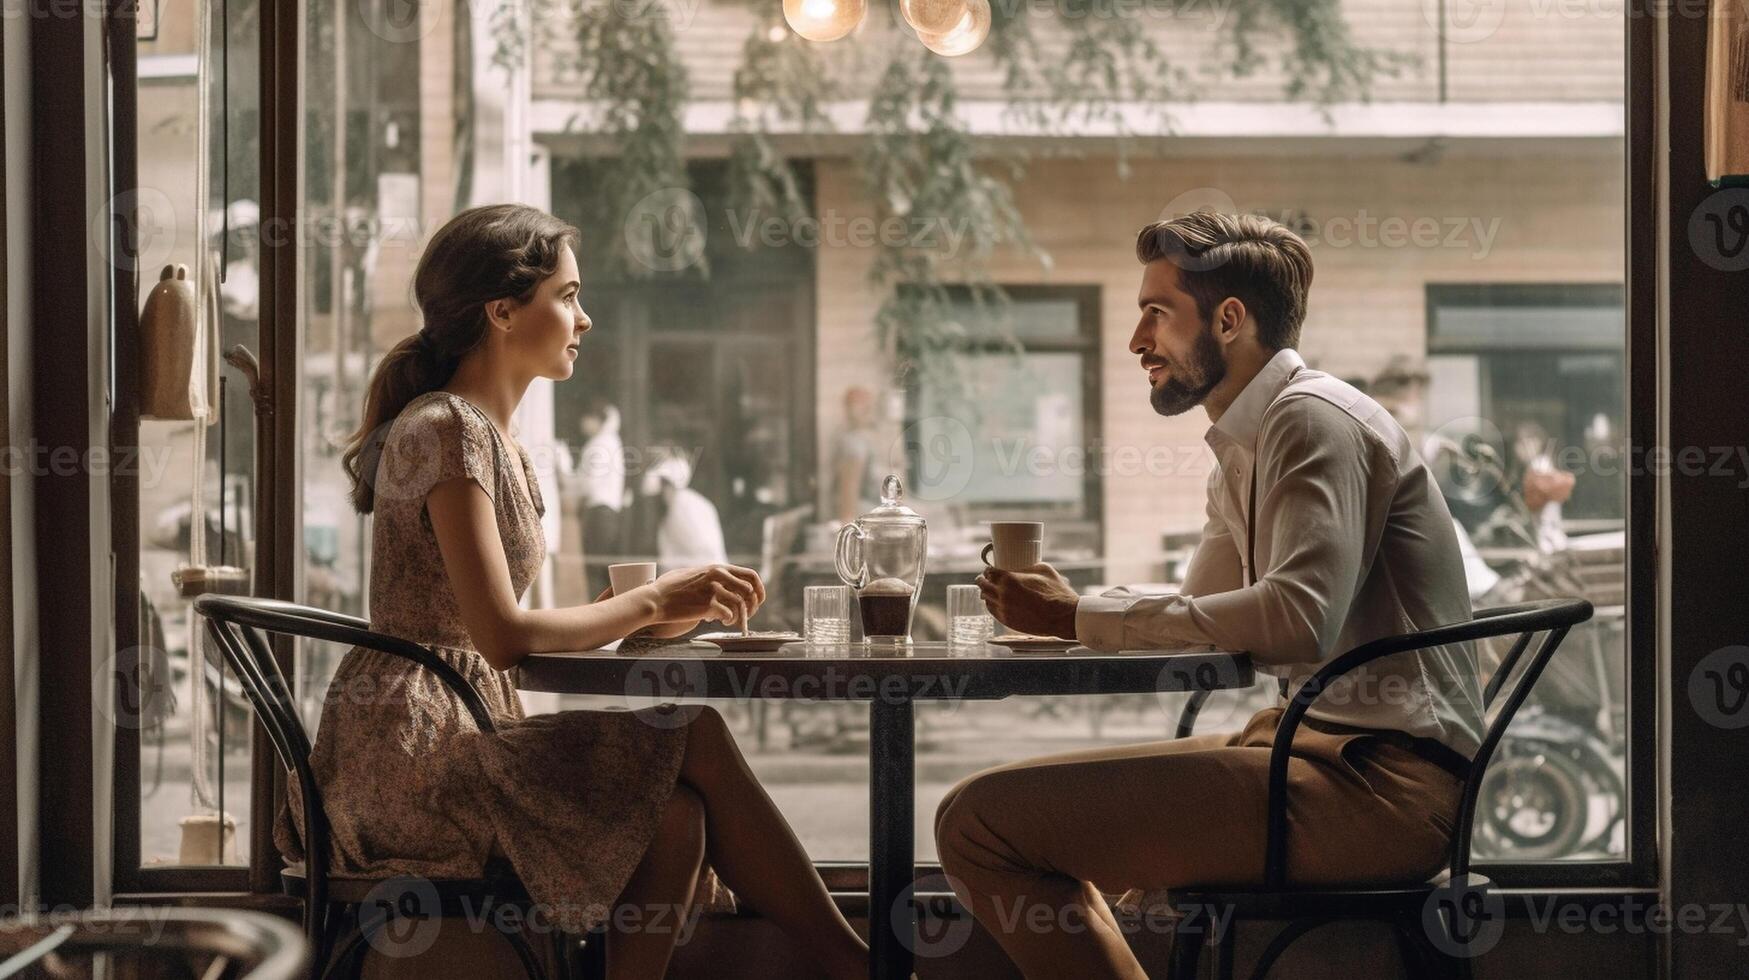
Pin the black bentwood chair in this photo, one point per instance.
(344, 915)
(1440, 925)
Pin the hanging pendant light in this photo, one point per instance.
(965, 36)
(824, 20)
(932, 16)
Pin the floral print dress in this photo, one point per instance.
(409, 784)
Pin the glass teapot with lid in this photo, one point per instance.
(882, 555)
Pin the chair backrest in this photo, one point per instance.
(1506, 690)
(238, 624)
(778, 534)
(250, 657)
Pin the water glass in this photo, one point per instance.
(826, 614)
(968, 621)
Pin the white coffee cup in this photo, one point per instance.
(1016, 544)
(627, 576)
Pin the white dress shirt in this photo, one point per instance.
(1353, 542)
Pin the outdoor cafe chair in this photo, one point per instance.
(1436, 922)
(343, 912)
(207, 943)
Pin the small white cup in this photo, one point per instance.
(627, 576)
(1016, 544)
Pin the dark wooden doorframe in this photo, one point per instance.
(67, 359)
(279, 470)
(278, 483)
(9, 795)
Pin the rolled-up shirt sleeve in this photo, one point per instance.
(1099, 618)
(1323, 510)
(1214, 567)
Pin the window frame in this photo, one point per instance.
(1639, 867)
(1440, 297)
(1087, 341)
(281, 24)
(278, 496)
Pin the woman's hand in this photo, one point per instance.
(728, 594)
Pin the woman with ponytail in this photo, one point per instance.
(606, 816)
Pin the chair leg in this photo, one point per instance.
(563, 943)
(1289, 935)
(316, 935)
(592, 961)
(1422, 959)
(1226, 945)
(531, 966)
(1409, 952)
(348, 956)
(1187, 942)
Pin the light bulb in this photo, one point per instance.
(965, 36)
(932, 16)
(824, 20)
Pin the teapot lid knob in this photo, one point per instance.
(891, 490)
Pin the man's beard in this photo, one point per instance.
(1186, 386)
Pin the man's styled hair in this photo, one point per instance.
(1247, 256)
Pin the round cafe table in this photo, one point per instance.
(891, 679)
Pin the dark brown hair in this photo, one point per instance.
(1246, 256)
(487, 253)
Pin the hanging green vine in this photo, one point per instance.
(782, 85)
(1098, 64)
(635, 84)
(923, 171)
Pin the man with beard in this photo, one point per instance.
(1325, 530)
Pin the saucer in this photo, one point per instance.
(755, 642)
(1023, 643)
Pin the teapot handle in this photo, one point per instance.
(848, 559)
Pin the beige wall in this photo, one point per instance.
(1557, 218)
(1518, 50)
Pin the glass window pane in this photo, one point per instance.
(1028, 416)
(788, 312)
(1537, 403)
(198, 143)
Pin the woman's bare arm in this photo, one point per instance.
(504, 632)
(661, 631)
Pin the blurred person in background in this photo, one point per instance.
(1545, 486)
(598, 476)
(689, 532)
(1401, 389)
(856, 477)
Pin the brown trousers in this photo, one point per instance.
(1030, 846)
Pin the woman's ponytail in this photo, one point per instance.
(410, 369)
(480, 255)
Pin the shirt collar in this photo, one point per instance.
(1240, 423)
